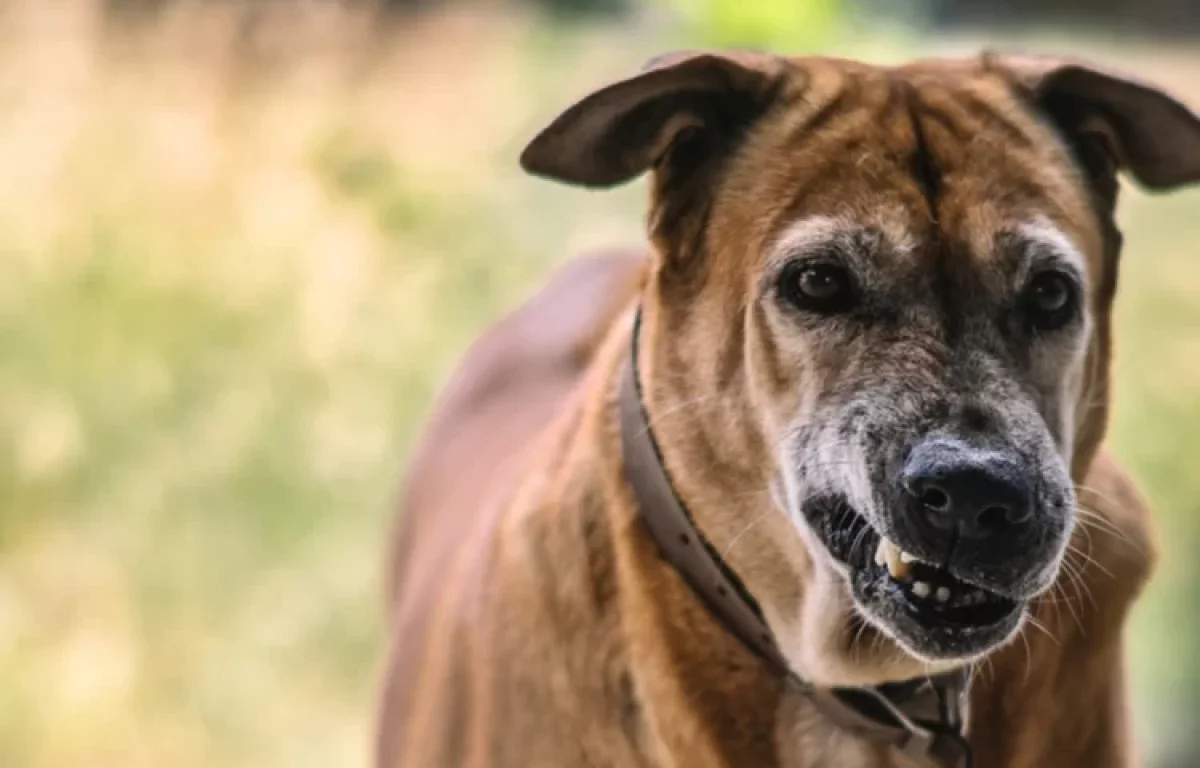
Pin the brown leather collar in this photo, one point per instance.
(922, 717)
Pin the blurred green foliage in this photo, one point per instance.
(792, 25)
(1157, 431)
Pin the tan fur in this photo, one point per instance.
(533, 621)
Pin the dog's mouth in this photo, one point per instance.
(933, 595)
(935, 612)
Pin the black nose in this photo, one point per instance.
(979, 492)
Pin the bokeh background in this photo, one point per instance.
(241, 246)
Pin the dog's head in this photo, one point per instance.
(880, 306)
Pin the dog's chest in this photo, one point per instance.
(806, 739)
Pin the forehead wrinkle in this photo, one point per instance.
(850, 156)
(826, 91)
(987, 147)
(1001, 156)
(978, 114)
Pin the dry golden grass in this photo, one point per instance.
(239, 249)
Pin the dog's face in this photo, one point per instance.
(895, 286)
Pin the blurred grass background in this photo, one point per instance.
(242, 244)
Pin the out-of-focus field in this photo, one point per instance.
(239, 250)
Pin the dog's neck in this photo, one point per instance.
(921, 717)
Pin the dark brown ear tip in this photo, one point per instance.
(531, 159)
(554, 153)
(542, 159)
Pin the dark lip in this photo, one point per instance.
(852, 540)
(874, 585)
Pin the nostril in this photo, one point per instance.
(994, 518)
(936, 499)
(979, 492)
(976, 418)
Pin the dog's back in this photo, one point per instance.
(510, 385)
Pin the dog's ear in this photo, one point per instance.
(631, 126)
(1114, 122)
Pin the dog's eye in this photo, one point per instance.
(817, 287)
(1050, 299)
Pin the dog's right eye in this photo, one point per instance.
(817, 287)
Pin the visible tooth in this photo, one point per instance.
(888, 554)
(907, 558)
(943, 594)
(920, 589)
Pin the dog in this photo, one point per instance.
(817, 477)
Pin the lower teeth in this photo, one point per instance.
(899, 566)
(925, 591)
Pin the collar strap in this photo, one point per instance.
(922, 718)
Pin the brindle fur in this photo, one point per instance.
(534, 623)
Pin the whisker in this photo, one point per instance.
(1076, 578)
(1092, 490)
(1094, 520)
(1088, 560)
(1042, 627)
(1028, 656)
(743, 532)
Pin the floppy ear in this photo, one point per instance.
(1113, 120)
(623, 130)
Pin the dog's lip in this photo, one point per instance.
(931, 637)
(957, 573)
(853, 545)
(935, 598)
(853, 540)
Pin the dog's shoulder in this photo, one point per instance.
(1116, 524)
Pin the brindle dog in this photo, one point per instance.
(874, 352)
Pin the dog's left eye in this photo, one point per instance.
(1050, 300)
(818, 287)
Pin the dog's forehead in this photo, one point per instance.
(940, 150)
